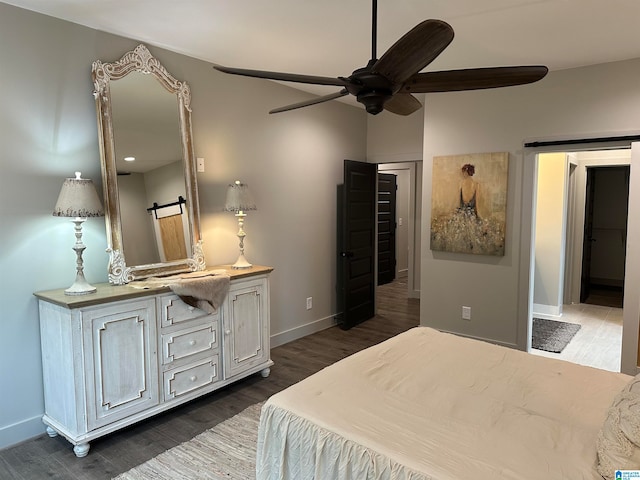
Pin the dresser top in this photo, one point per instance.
(106, 292)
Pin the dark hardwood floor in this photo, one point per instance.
(53, 458)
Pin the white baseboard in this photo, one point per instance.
(548, 312)
(302, 331)
(21, 431)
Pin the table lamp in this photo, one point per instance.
(239, 200)
(78, 199)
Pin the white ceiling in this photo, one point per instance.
(333, 37)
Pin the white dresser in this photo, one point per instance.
(123, 354)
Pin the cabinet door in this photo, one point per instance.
(246, 326)
(120, 360)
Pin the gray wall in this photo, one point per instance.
(138, 237)
(291, 161)
(590, 101)
(394, 138)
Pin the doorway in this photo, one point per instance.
(408, 209)
(408, 214)
(605, 235)
(580, 242)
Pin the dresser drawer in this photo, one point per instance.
(190, 341)
(174, 311)
(180, 381)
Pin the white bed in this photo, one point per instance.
(430, 405)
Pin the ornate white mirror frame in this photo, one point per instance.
(141, 60)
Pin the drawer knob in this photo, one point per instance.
(227, 332)
(193, 378)
(192, 343)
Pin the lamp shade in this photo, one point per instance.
(239, 198)
(78, 198)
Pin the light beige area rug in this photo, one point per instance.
(226, 451)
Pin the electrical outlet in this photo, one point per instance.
(200, 164)
(466, 313)
(309, 303)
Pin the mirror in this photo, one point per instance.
(151, 202)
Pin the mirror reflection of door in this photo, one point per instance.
(146, 127)
(171, 227)
(172, 238)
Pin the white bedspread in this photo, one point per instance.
(430, 405)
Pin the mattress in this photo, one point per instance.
(432, 405)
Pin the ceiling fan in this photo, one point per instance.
(388, 83)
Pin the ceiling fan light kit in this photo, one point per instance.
(389, 82)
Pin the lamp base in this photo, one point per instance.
(241, 263)
(80, 288)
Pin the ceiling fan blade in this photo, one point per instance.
(313, 101)
(473, 79)
(414, 51)
(286, 77)
(402, 104)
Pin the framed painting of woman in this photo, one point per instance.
(469, 203)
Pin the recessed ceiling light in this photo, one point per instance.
(129, 159)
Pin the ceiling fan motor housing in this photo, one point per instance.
(373, 101)
(370, 89)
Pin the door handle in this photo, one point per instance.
(347, 254)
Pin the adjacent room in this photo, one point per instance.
(307, 252)
(580, 254)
